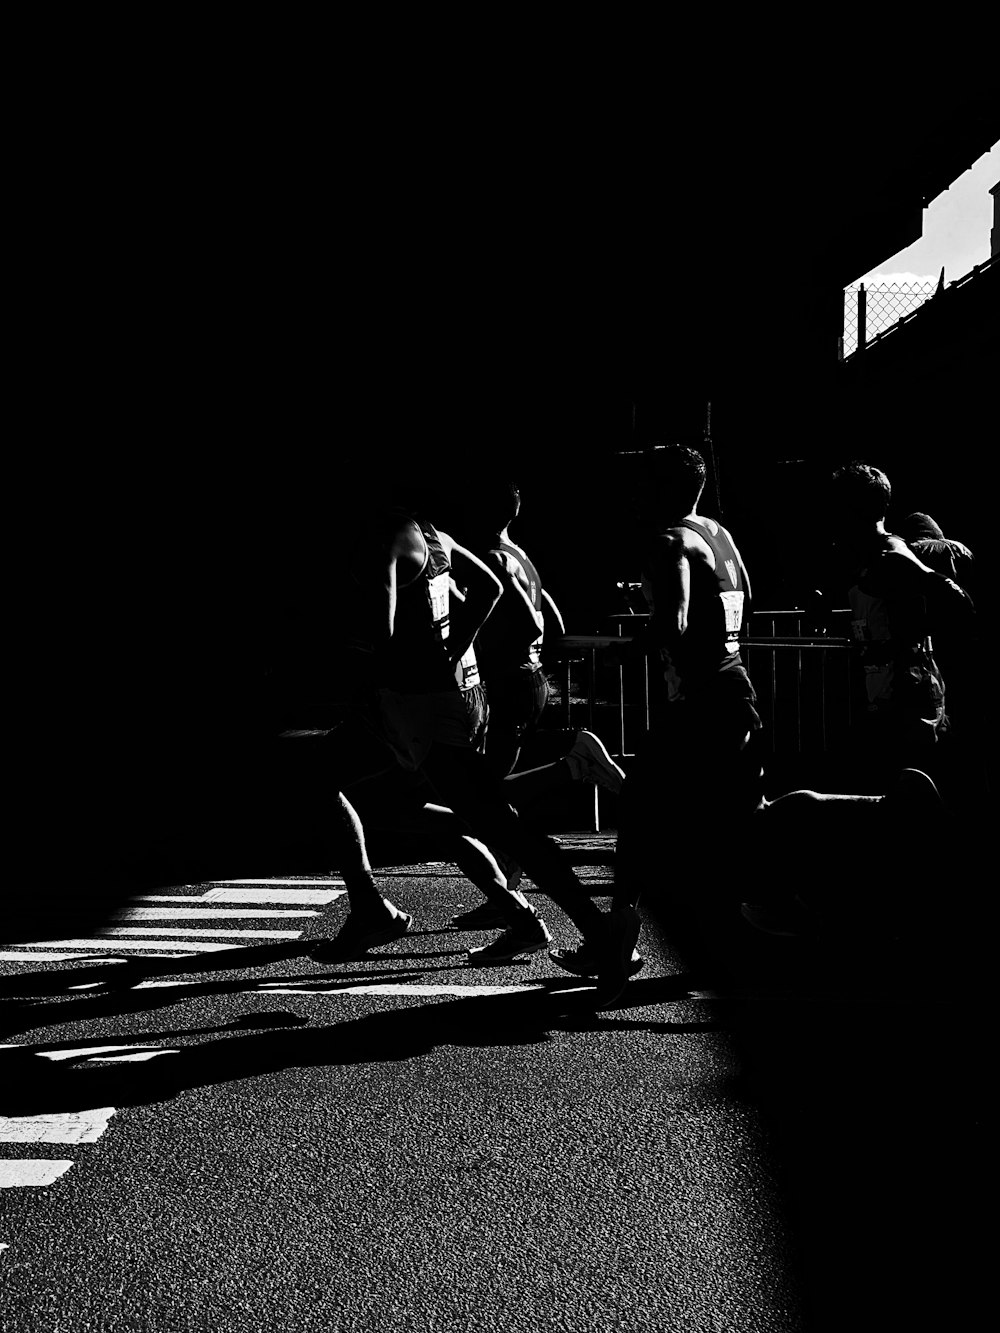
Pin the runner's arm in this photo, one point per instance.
(747, 594)
(554, 623)
(378, 569)
(520, 619)
(482, 592)
(671, 587)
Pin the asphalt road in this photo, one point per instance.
(787, 1140)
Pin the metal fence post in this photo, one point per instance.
(862, 317)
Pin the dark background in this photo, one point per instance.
(250, 310)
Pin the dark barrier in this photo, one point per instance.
(804, 682)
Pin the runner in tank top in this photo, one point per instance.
(420, 710)
(696, 778)
(509, 648)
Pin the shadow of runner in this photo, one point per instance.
(37, 1086)
(117, 1000)
(55, 981)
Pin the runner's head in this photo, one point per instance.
(495, 503)
(861, 495)
(670, 483)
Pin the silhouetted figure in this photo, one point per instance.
(509, 651)
(426, 708)
(957, 650)
(696, 779)
(896, 602)
(509, 645)
(927, 541)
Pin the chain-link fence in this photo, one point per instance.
(878, 308)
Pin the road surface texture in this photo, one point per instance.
(203, 1129)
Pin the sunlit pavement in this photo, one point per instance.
(786, 1137)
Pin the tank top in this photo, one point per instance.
(416, 658)
(496, 650)
(716, 611)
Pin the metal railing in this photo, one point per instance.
(804, 682)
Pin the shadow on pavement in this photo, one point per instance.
(872, 1096)
(492, 1020)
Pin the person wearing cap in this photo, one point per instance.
(897, 602)
(927, 541)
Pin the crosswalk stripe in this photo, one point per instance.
(60, 1127)
(164, 898)
(126, 932)
(280, 897)
(108, 1054)
(391, 988)
(294, 882)
(22, 1171)
(312, 897)
(203, 914)
(9, 956)
(122, 945)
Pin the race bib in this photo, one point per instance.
(732, 605)
(437, 595)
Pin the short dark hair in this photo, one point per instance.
(494, 502)
(862, 489)
(675, 475)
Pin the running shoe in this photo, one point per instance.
(590, 761)
(586, 960)
(359, 934)
(619, 955)
(528, 936)
(484, 917)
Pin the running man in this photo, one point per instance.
(425, 709)
(697, 778)
(509, 652)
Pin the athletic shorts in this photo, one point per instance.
(411, 723)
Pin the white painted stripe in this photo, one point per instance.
(71, 1127)
(165, 898)
(122, 946)
(163, 985)
(135, 1059)
(65, 1127)
(126, 932)
(200, 914)
(11, 957)
(390, 988)
(101, 1053)
(328, 881)
(313, 897)
(23, 1171)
